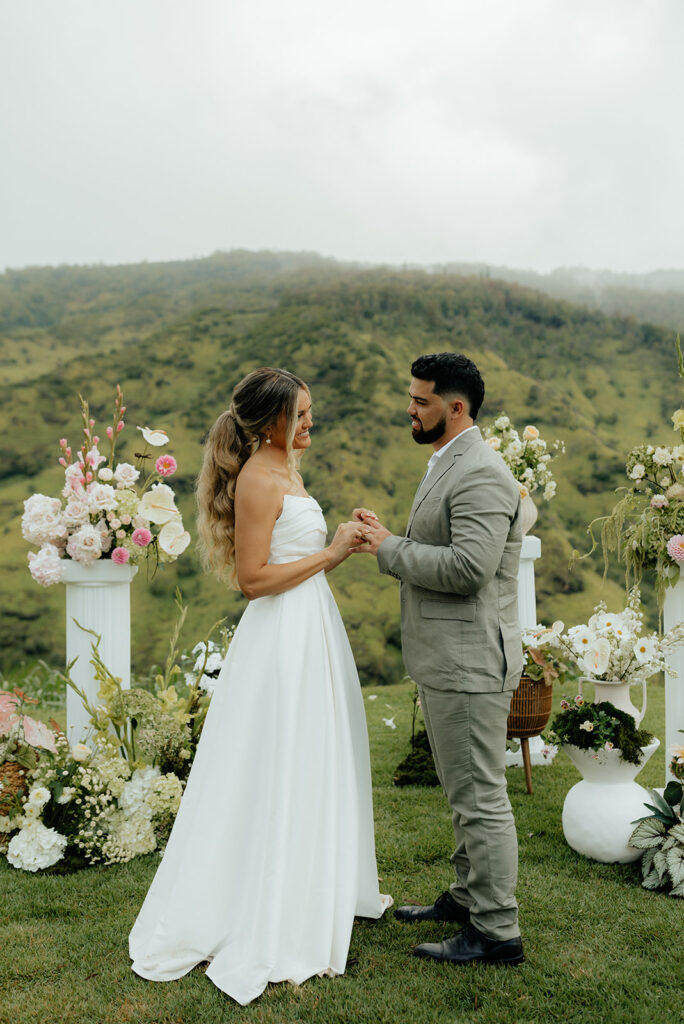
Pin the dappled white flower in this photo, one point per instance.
(389, 722)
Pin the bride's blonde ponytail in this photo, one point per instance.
(258, 400)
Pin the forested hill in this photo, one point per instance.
(600, 383)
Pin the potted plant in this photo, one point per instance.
(607, 748)
(660, 835)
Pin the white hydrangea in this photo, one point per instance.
(35, 847)
(134, 799)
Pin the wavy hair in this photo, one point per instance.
(257, 402)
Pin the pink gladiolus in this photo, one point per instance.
(166, 465)
(62, 442)
(675, 547)
(92, 423)
(120, 556)
(89, 477)
(68, 450)
(96, 440)
(141, 537)
(62, 461)
(110, 432)
(119, 426)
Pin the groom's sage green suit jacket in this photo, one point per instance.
(458, 567)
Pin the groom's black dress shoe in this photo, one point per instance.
(471, 946)
(445, 908)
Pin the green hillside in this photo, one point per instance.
(178, 337)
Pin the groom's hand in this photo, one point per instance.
(373, 533)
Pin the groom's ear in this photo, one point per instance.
(458, 406)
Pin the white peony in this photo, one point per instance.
(173, 538)
(101, 497)
(158, 505)
(85, 545)
(36, 847)
(125, 474)
(156, 438)
(42, 521)
(46, 567)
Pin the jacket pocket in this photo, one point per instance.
(463, 610)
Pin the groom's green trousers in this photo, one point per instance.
(467, 733)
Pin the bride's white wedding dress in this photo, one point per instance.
(272, 852)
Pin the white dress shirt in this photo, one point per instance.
(436, 455)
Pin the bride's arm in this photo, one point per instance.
(258, 502)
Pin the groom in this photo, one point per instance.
(458, 566)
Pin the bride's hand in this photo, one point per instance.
(347, 537)
(364, 515)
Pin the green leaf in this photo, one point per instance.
(660, 864)
(677, 832)
(652, 881)
(661, 804)
(675, 864)
(678, 890)
(648, 833)
(673, 793)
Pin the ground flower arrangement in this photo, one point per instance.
(107, 510)
(115, 797)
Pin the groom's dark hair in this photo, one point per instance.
(453, 374)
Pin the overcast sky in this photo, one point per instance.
(532, 133)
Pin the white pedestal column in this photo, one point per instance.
(527, 614)
(98, 598)
(673, 614)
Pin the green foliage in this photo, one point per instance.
(592, 726)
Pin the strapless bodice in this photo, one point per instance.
(300, 530)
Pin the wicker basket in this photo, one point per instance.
(12, 777)
(530, 709)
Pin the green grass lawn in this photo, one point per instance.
(599, 948)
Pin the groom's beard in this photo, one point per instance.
(422, 436)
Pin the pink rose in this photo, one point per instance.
(141, 537)
(166, 465)
(675, 547)
(120, 556)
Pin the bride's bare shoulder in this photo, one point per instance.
(256, 485)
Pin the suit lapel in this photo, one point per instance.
(443, 466)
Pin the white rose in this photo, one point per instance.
(502, 423)
(156, 438)
(105, 474)
(85, 545)
(80, 752)
(173, 538)
(158, 504)
(76, 512)
(46, 567)
(494, 442)
(101, 497)
(514, 449)
(125, 474)
(530, 433)
(638, 471)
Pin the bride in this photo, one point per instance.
(272, 853)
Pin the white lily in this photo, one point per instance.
(158, 505)
(156, 438)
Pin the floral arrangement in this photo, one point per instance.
(528, 457)
(599, 727)
(646, 526)
(542, 655)
(106, 509)
(115, 797)
(613, 647)
(661, 834)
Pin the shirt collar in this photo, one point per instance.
(436, 455)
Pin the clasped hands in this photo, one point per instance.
(371, 532)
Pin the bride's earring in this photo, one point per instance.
(268, 440)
